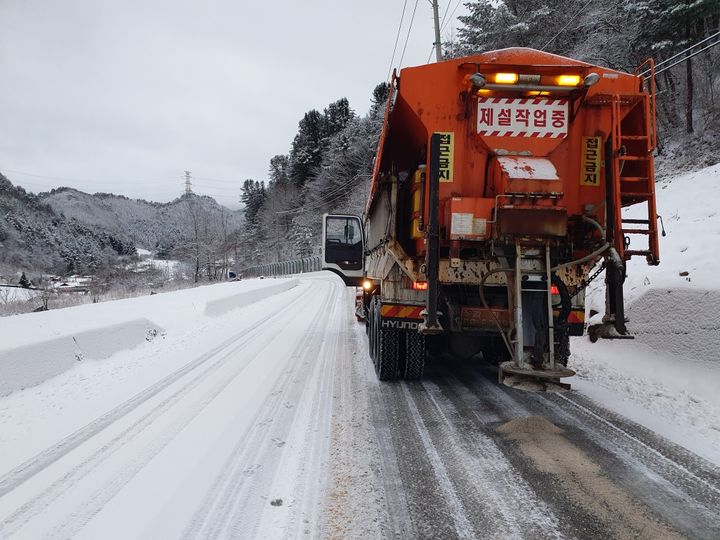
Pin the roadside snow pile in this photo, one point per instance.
(30, 365)
(9, 295)
(673, 307)
(668, 377)
(675, 397)
(171, 269)
(223, 305)
(37, 346)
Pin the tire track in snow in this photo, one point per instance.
(219, 357)
(307, 467)
(244, 465)
(668, 494)
(463, 527)
(483, 473)
(683, 469)
(103, 496)
(213, 514)
(26, 470)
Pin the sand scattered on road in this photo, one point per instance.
(583, 481)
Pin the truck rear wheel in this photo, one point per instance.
(384, 346)
(414, 355)
(388, 354)
(372, 332)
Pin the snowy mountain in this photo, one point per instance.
(35, 237)
(151, 225)
(68, 231)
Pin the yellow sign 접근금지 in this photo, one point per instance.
(591, 162)
(446, 156)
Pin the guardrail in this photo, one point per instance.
(284, 268)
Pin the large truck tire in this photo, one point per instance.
(385, 344)
(388, 354)
(372, 332)
(414, 356)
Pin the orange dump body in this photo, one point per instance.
(526, 159)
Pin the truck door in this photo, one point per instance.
(343, 250)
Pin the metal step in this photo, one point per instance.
(637, 231)
(636, 221)
(634, 178)
(632, 252)
(635, 137)
(634, 158)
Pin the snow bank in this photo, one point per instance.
(681, 322)
(673, 307)
(9, 295)
(37, 346)
(677, 398)
(668, 377)
(31, 365)
(223, 305)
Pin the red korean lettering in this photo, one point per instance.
(558, 119)
(486, 116)
(539, 118)
(504, 117)
(522, 116)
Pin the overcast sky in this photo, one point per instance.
(123, 95)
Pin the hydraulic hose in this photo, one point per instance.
(594, 255)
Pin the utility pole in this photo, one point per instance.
(436, 18)
(188, 183)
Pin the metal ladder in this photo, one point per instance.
(523, 277)
(633, 172)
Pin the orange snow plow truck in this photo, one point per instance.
(496, 198)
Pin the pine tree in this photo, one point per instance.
(253, 196)
(305, 154)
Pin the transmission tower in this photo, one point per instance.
(188, 183)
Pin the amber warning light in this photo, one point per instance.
(420, 285)
(569, 80)
(506, 78)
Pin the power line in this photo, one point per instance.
(432, 50)
(647, 71)
(397, 37)
(407, 38)
(319, 205)
(335, 194)
(450, 18)
(157, 186)
(686, 58)
(442, 26)
(683, 52)
(74, 180)
(445, 14)
(568, 24)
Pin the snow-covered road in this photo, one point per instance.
(251, 410)
(231, 442)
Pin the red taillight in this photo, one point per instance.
(554, 289)
(420, 285)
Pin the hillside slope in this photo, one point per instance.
(148, 224)
(667, 377)
(35, 237)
